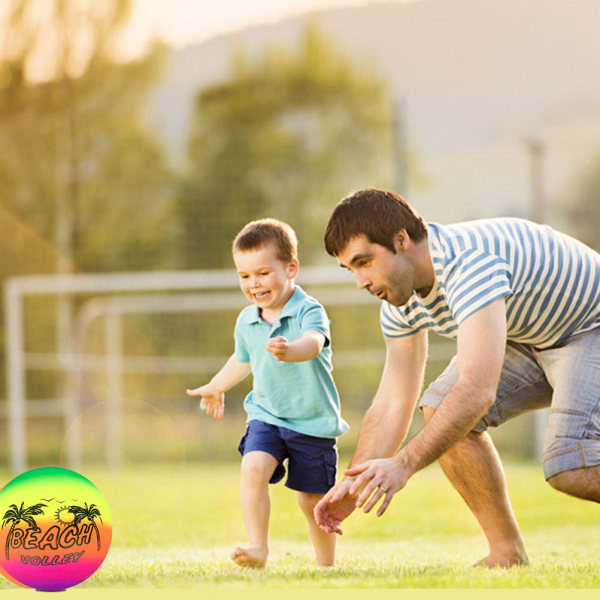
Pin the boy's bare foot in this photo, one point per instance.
(253, 557)
(504, 562)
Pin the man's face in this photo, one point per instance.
(377, 269)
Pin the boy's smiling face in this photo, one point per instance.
(266, 280)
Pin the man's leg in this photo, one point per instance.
(572, 440)
(473, 465)
(581, 483)
(474, 469)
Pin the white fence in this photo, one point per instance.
(110, 296)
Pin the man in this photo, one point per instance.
(523, 302)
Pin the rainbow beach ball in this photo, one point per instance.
(55, 531)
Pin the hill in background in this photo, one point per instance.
(477, 78)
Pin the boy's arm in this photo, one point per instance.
(304, 348)
(232, 372)
(213, 393)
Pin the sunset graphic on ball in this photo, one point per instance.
(56, 529)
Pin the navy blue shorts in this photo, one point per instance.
(311, 460)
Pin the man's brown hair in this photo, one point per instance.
(257, 234)
(377, 214)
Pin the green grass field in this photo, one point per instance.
(174, 528)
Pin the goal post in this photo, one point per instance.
(110, 296)
(99, 361)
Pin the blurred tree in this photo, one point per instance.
(583, 210)
(287, 137)
(84, 183)
(77, 163)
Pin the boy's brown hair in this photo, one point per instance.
(257, 234)
(377, 214)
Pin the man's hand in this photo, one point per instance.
(278, 347)
(213, 400)
(335, 506)
(376, 479)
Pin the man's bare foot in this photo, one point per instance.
(504, 562)
(253, 557)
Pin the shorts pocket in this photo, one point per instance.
(242, 444)
(330, 465)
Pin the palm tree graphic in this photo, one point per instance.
(15, 515)
(90, 513)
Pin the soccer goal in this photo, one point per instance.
(133, 334)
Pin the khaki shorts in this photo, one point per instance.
(565, 377)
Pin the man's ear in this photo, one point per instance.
(401, 240)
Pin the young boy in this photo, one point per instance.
(293, 409)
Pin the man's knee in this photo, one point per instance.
(565, 482)
(556, 481)
(427, 412)
(583, 482)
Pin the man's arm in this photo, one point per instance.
(385, 423)
(481, 345)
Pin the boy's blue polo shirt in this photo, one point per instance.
(298, 395)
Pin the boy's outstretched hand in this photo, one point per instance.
(304, 348)
(212, 400)
(278, 347)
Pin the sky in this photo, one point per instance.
(176, 22)
(182, 22)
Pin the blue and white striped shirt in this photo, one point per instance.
(551, 282)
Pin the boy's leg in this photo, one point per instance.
(311, 472)
(257, 469)
(323, 543)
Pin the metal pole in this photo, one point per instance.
(537, 150)
(15, 379)
(114, 390)
(538, 200)
(400, 152)
(71, 404)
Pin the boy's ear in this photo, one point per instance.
(293, 268)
